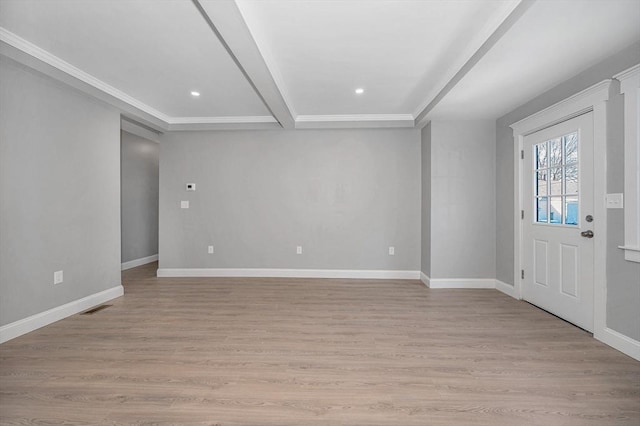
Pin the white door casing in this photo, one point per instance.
(558, 261)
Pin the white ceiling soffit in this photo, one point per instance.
(552, 42)
(401, 52)
(144, 53)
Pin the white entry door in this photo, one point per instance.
(558, 220)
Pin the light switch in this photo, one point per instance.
(58, 277)
(184, 204)
(615, 201)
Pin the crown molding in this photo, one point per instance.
(354, 121)
(223, 120)
(51, 60)
(223, 123)
(32, 56)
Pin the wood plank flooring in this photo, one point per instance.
(314, 352)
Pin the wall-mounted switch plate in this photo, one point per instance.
(184, 204)
(191, 187)
(58, 277)
(299, 250)
(615, 201)
(210, 250)
(392, 251)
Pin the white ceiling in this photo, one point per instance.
(395, 50)
(301, 61)
(155, 51)
(552, 42)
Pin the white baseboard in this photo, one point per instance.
(507, 289)
(139, 262)
(619, 341)
(34, 322)
(288, 273)
(424, 278)
(459, 282)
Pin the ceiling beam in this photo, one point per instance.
(421, 119)
(227, 23)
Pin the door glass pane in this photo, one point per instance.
(541, 155)
(571, 211)
(555, 152)
(542, 207)
(571, 180)
(555, 210)
(555, 178)
(541, 183)
(571, 148)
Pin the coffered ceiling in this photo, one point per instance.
(273, 63)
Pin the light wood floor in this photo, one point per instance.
(314, 352)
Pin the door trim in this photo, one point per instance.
(593, 99)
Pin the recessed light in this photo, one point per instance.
(359, 91)
(195, 94)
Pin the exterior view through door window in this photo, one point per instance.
(555, 178)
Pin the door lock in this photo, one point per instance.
(589, 218)
(587, 234)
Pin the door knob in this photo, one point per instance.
(587, 234)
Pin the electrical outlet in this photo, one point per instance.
(58, 277)
(210, 249)
(299, 250)
(392, 251)
(184, 204)
(191, 187)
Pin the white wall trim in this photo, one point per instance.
(34, 322)
(288, 273)
(95, 87)
(462, 283)
(354, 121)
(630, 89)
(564, 110)
(139, 262)
(619, 341)
(222, 120)
(593, 99)
(507, 289)
(52, 60)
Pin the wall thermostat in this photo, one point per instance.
(191, 187)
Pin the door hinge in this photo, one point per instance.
(521, 214)
(522, 154)
(522, 274)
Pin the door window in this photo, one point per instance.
(555, 178)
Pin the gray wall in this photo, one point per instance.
(344, 195)
(60, 192)
(139, 188)
(425, 264)
(463, 199)
(623, 293)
